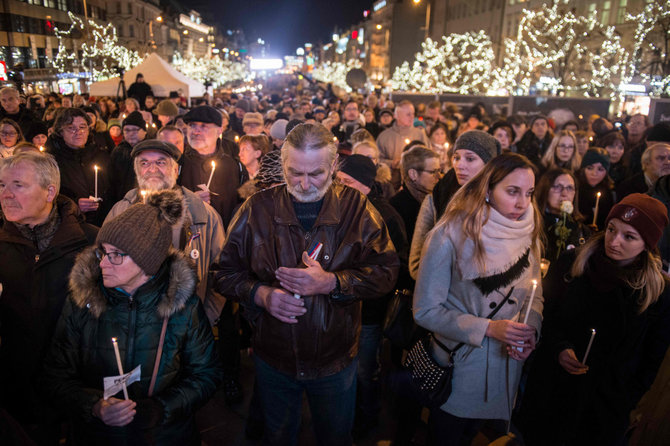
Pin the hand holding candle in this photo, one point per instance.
(211, 175)
(595, 211)
(118, 363)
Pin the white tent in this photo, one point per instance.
(157, 73)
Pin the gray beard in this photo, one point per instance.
(310, 196)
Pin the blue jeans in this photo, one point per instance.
(332, 401)
(368, 371)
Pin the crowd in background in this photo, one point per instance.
(476, 205)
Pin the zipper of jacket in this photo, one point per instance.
(130, 346)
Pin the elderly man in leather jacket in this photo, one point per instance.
(306, 310)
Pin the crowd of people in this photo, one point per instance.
(146, 242)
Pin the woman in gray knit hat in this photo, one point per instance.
(132, 307)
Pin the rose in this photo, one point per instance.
(566, 207)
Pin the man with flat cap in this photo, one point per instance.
(204, 130)
(200, 233)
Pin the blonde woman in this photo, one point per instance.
(612, 291)
(562, 152)
(482, 255)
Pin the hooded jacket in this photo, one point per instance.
(266, 234)
(82, 352)
(34, 291)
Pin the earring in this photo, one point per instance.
(487, 199)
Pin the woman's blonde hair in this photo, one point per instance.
(469, 205)
(549, 158)
(649, 280)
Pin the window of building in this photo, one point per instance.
(119, 31)
(621, 13)
(131, 31)
(118, 8)
(605, 14)
(50, 4)
(130, 8)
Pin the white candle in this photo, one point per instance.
(96, 168)
(588, 347)
(530, 302)
(314, 256)
(595, 212)
(211, 174)
(144, 196)
(118, 363)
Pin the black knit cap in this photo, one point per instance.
(359, 167)
(136, 119)
(144, 231)
(596, 155)
(37, 128)
(160, 146)
(204, 113)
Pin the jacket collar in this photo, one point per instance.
(284, 214)
(87, 289)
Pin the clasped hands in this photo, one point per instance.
(285, 306)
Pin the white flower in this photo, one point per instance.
(566, 207)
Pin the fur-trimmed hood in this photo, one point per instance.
(86, 287)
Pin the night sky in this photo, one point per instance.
(285, 24)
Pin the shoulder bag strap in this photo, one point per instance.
(493, 313)
(159, 353)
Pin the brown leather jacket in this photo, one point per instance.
(266, 234)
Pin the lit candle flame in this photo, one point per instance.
(114, 340)
(213, 165)
(96, 168)
(598, 195)
(237, 138)
(41, 148)
(406, 140)
(534, 282)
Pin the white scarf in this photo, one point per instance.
(505, 241)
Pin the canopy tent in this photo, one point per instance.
(157, 73)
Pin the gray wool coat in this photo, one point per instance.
(455, 309)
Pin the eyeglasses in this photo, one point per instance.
(115, 258)
(8, 134)
(430, 172)
(161, 163)
(566, 146)
(560, 188)
(74, 130)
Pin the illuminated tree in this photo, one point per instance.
(569, 53)
(212, 69)
(463, 63)
(100, 51)
(651, 55)
(335, 73)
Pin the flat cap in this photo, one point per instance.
(157, 145)
(204, 113)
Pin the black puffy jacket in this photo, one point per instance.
(82, 352)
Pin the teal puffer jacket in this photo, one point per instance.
(82, 352)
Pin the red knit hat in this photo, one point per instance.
(646, 214)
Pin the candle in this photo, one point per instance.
(595, 212)
(406, 141)
(588, 347)
(530, 302)
(312, 255)
(544, 267)
(41, 148)
(144, 196)
(334, 138)
(118, 363)
(96, 168)
(237, 138)
(211, 174)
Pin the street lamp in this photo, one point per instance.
(428, 4)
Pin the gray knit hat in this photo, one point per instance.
(144, 231)
(479, 142)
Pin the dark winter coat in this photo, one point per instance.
(408, 208)
(579, 233)
(592, 409)
(587, 202)
(661, 192)
(635, 184)
(534, 148)
(77, 174)
(82, 353)
(34, 290)
(123, 172)
(266, 234)
(228, 176)
(24, 118)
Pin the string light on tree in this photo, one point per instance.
(335, 72)
(650, 60)
(213, 69)
(100, 52)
